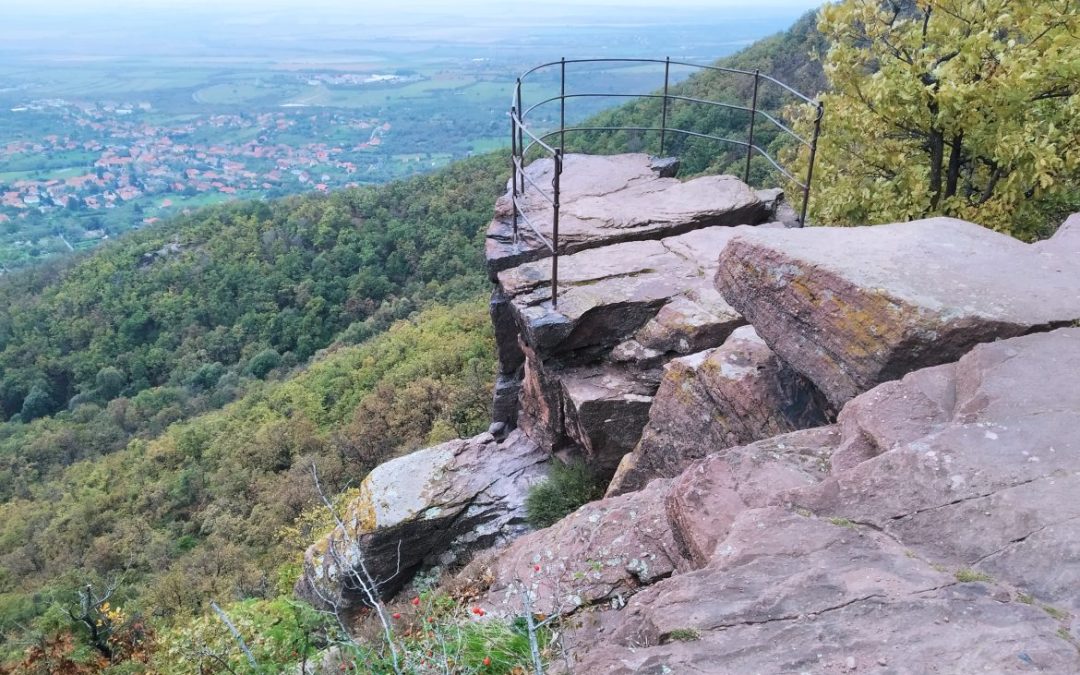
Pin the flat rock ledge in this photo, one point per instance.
(851, 308)
(609, 199)
(431, 507)
(592, 364)
(934, 528)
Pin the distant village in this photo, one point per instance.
(133, 158)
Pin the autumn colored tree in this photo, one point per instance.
(966, 108)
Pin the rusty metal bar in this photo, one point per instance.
(810, 166)
(753, 118)
(514, 169)
(663, 114)
(562, 105)
(556, 183)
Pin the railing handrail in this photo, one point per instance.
(519, 130)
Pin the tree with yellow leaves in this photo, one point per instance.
(966, 108)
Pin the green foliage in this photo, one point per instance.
(209, 509)
(109, 382)
(228, 282)
(278, 632)
(37, 404)
(967, 575)
(262, 363)
(567, 487)
(684, 635)
(958, 108)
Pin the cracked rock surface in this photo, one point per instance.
(425, 508)
(610, 199)
(934, 528)
(606, 295)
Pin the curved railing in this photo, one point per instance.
(520, 131)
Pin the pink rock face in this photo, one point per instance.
(987, 456)
(851, 308)
(791, 594)
(610, 549)
(604, 552)
(610, 199)
(934, 529)
(737, 393)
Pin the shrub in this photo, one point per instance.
(262, 363)
(567, 487)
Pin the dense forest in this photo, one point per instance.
(164, 398)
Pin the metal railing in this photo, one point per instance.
(519, 131)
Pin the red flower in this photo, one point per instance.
(415, 601)
(478, 611)
(431, 619)
(487, 660)
(396, 616)
(536, 568)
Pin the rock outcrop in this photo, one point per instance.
(931, 528)
(609, 199)
(638, 253)
(593, 362)
(425, 508)
(734, 394)
(851, 308)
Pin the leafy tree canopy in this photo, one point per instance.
(966, 108)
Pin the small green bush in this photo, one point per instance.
(262, 363)
(566, 488)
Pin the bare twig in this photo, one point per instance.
(235, 633)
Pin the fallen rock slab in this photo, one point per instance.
(604, 411)
(429, 507)
(610, 199)
(851, 308)
(734, 394)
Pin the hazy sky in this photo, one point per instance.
(29, 8)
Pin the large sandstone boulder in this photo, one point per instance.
(735, 394)
(609, 199)
(851, 308)
(603, 553)
(425, 508)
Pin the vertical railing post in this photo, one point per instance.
(521, 134)
(562, 105)
(513, 167)
(663, 114)
(810, 168)
(753, 118)
(556, 184)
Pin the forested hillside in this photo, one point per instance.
(105, 358)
